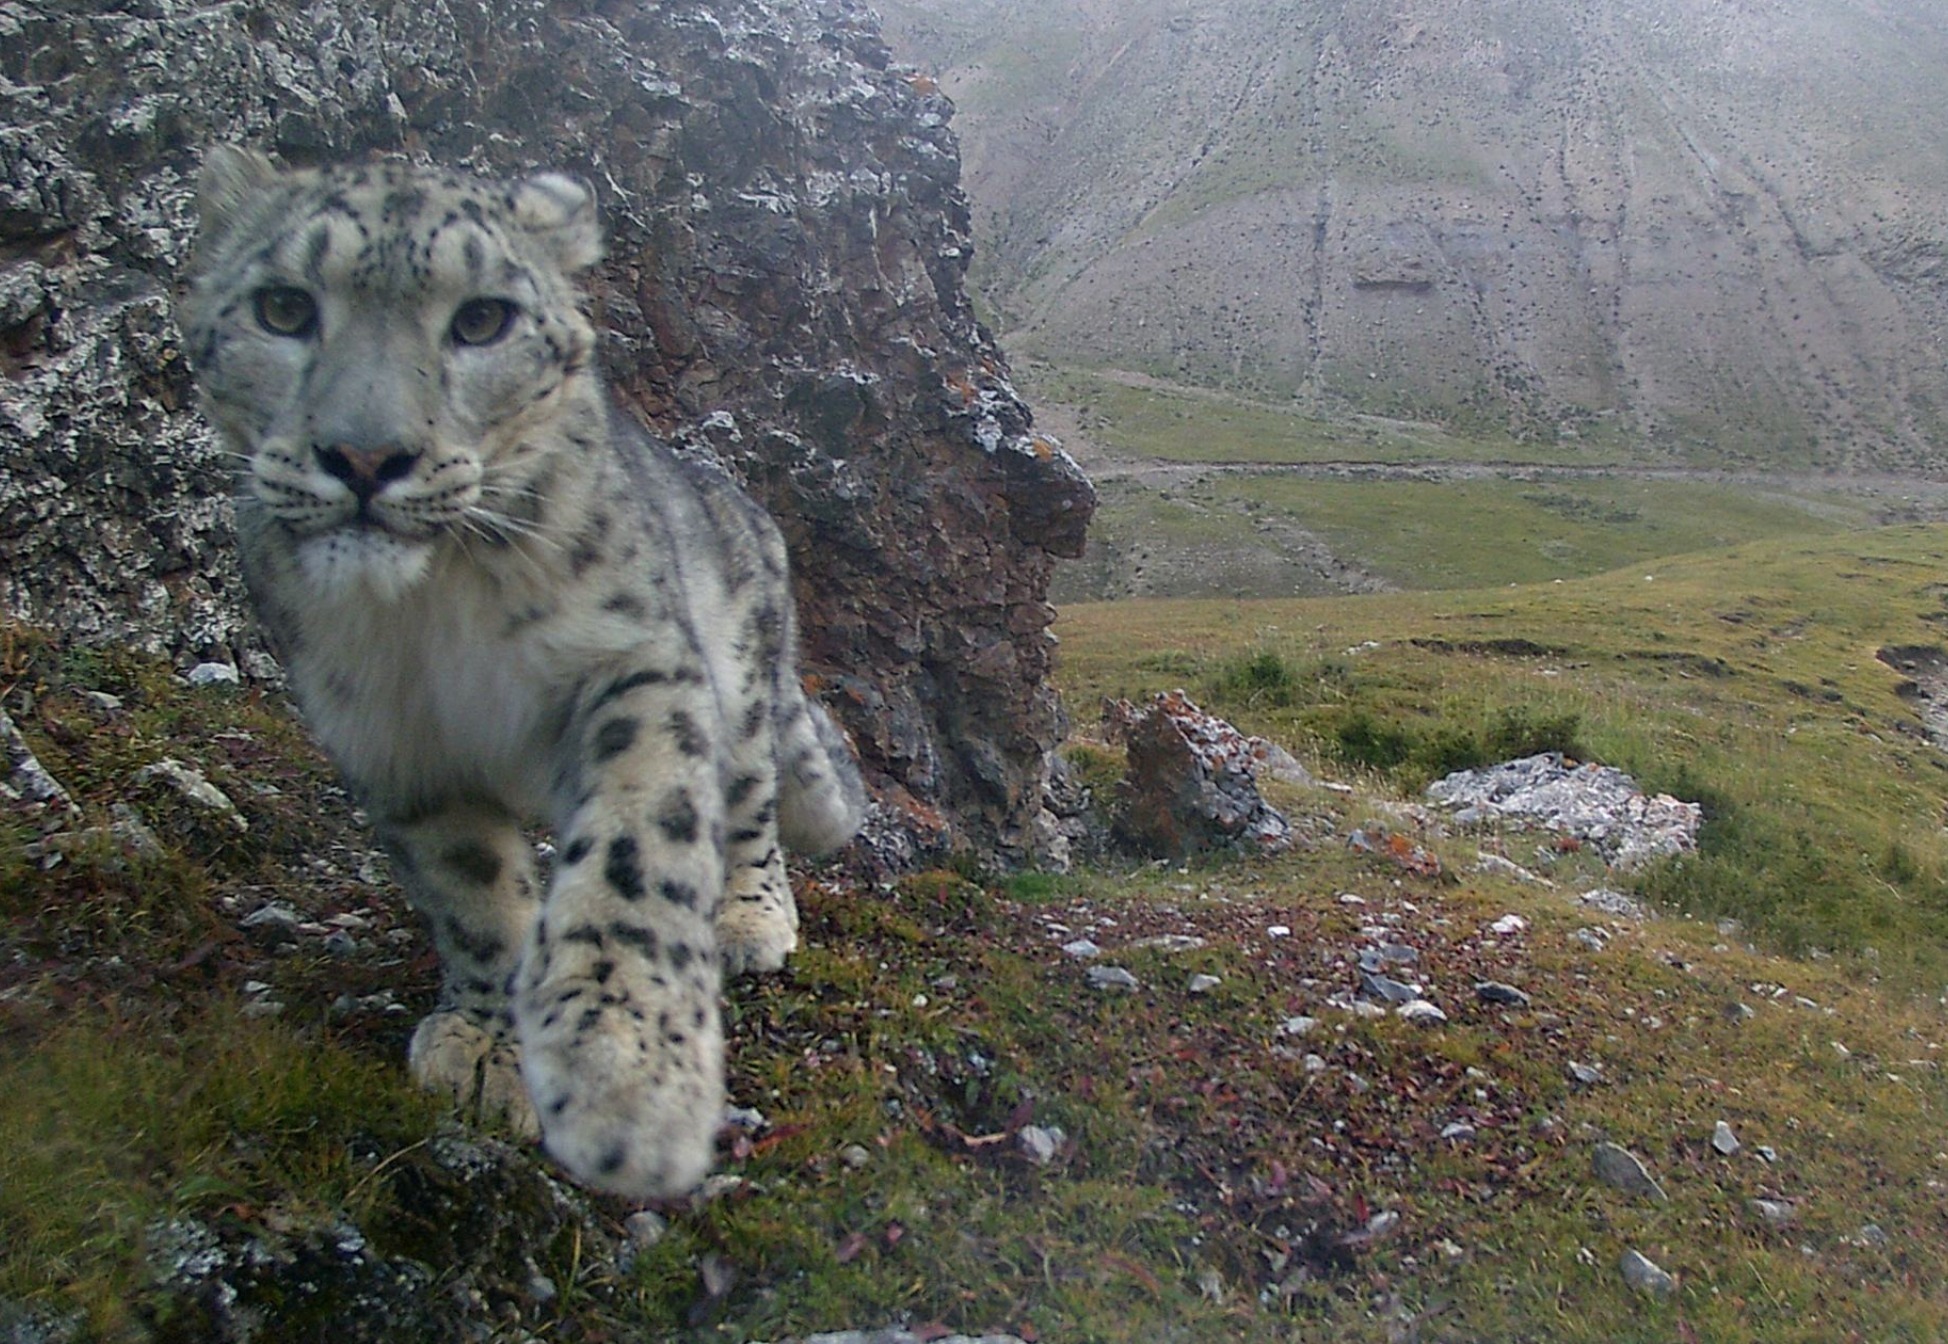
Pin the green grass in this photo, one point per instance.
(1526, 511)
(1223, 533)
(1215, 1182)
(115, 1122)
(1465, 534)
(1746, 678)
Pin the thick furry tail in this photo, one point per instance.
(822, 802)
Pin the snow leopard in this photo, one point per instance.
(500, 602)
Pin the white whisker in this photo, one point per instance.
(527, 528)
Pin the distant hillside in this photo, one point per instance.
(1722, 227)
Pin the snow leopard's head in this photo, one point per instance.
(390, 349)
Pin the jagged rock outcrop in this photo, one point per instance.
(784, 288)
(1191, 784)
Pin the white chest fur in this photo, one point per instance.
(437, 691)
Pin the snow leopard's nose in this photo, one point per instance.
(365, 471)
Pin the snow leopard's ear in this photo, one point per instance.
(231, 176)
(559, 211)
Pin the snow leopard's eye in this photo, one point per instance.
(481, 321)
(286, 310)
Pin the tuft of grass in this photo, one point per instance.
(117, 1121)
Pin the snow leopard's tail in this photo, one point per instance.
(821, 799)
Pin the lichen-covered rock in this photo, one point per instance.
(1595, 803)
(472, 1233)
(26, 782)
(783, 291)
(1192, 780)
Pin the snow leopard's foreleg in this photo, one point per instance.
(621, 1037)
(792, 779)
(470, 871)
(757, 927)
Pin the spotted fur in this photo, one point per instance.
(499, 602)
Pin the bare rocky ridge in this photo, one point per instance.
(1715, 226)
(784, 289)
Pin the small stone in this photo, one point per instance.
(1203, 984)
(1388, 990)
(1870, 1234)
(1594, 939)
(716, 1187)
(1459, 1132)
(855, 1155)
(1377, 959)
(271, 916)
(341, 944)
(1494, 991)
(1422, 1013)
(1170, 942)
(1298, 1026)
(1210, 1284)
(746, 1118)
(1767, 1153)
(1615, 903)
(1723, 1140)
(23, 777)
(1348, 898)
(1383, 1222)
(1111, 977)
(102, 700)
(1509, 925)
(1740, 1012)
(1497, 866)
(1040, 1144)
(1621, 1169)
(1645, 1276)
(645, 1229)
(1777, 1212)
(1313, 1064)
(189, 782)
(214, 674)
(1081, 949)
(1278, 931)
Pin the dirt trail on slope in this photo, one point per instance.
(1277, 556)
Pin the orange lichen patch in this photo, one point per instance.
(963, 385)
(924, 85)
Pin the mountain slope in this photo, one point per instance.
(1718, 227)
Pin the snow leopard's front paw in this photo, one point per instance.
(757, 925)
(629, 1084)
(455, 1056)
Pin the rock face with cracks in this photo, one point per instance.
(783, 290)
(1192, 780)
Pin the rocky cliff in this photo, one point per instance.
(1713, 228)
(784, 287)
